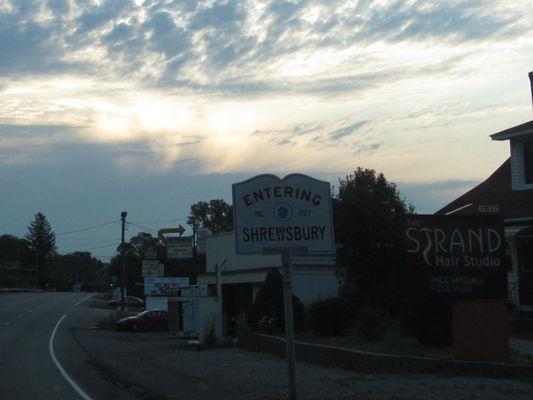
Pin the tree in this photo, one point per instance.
(15, 254)
(42, 241)
(79, 267)
(369, 213)
(217, 215)
(142, 242)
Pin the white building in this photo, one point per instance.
(241, 276)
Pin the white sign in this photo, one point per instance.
(194, 291)
(159, 303)
(153, 268)
(276, 213)
(179, 247)
(162, 286)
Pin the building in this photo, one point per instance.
(509, 192)
(240, 277)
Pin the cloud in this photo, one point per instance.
(346, 130)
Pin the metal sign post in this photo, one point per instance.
(289, 322)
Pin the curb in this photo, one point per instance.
(19, 290)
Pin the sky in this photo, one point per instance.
(150, 106)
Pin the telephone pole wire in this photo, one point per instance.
(123, 216)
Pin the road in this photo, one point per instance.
(31, 336)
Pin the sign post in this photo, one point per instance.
(289, 322)
(287, 217)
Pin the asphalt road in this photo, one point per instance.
(27, 351)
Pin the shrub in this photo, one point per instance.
(8, 281)
(330, 316)
(267, 313)
(370, 323)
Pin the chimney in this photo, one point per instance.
(531, 82)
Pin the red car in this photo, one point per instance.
(150, 320)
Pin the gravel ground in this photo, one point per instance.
(162, 365)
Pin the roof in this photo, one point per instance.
(515, 131)
(496, 190)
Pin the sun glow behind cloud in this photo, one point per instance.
(281, 86)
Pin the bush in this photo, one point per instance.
(430, 321)
(8, 281)
(267, 313)
(370, 322)
(330, 316)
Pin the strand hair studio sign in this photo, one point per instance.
(271, 213)
(456, 256)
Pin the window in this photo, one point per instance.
(528, 161)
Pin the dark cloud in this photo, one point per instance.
(37, 131)
(215, 39)
(346, 130)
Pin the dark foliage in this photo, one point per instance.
(216, 215)
(42, 241)
(267, 312)
(330, 316)
(370, 323)
(369, 216)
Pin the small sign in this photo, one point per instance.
(295, 211)
(153, 268)
(179, 247)
(194, 291)
(158, 302)
(164, 285)
(150, 254)
(456, 256)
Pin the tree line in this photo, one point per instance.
(33, 262)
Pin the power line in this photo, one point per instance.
(106, 245)
(161, 222)
(77, 248)
(141, 227)
(87, 228)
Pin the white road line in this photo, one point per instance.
(74, 385)
(82, 300)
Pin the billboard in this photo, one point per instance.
(455, 256)
(179, 247)
(164, 285)
(274, 213)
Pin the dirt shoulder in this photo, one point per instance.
(161, 368)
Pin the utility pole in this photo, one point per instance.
(123, 216)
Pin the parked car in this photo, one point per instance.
(129, 301)
(150, 320)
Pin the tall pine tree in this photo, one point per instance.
(42, 240)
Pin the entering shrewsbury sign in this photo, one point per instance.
(295, 211)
